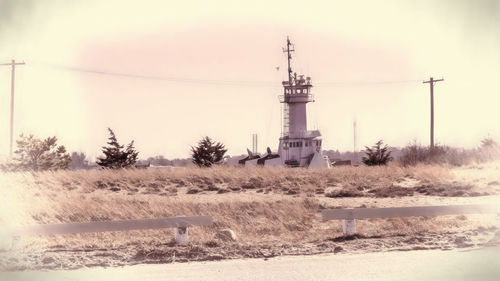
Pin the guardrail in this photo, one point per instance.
(348, 216)
(180, 223)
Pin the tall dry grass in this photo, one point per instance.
(264, 207)
(74, 196)
(168, 181)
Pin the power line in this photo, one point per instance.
(217, 82)
(366, 83)
(163, 78)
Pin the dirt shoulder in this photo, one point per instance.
(153, 252)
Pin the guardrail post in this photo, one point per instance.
(349, 227)
(14, 241)
(181, 234)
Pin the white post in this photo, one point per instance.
(349, 227)
(15, 241)
(181, 235)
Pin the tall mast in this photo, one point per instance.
(289, 57)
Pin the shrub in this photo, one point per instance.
(78, 161)
(115, 156)
(377, 154)
(208, 153)
(489, 150)
(414, 154)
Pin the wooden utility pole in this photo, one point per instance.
(431, 82)
(13, 64)
(355, 138)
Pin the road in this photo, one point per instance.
(478, 264)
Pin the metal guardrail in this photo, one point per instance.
(348, 216)
(180, 224)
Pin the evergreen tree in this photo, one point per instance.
(377, 155)
(115, 157)
(34, 154)
(208, 153)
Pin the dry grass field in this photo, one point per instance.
(272, 211)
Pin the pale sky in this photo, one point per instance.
(217, 63)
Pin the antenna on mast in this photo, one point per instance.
(289, 57)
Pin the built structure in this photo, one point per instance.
(298, 147)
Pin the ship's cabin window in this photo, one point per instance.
(304, 91)
(299, 91)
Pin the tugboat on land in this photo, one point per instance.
(298, 147)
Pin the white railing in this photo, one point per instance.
(180, 223)
(348, 216)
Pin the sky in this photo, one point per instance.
(167, 73)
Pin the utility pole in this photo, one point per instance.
(355, 139)
(355, 148)
(431, 82)
(13, 64)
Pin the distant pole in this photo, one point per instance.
(254, 143)
(431, 82)
(13, 64)
(355, 137)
